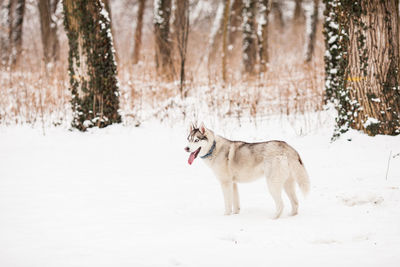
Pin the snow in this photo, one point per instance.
(125, 196)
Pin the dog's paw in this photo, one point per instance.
(236, 211)
(227, 213)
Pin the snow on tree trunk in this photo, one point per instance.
(11, 21)
(48, 27)
(298, 14)
(216, 32)
(276, 8)
(249, 36)
(162, 13)
(262, 33)
(235, 23)
(362, 65)
(138, 32)
(92, 66)
(312, 31)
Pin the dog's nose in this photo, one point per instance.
(187, 149)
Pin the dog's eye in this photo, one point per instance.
(197, 140)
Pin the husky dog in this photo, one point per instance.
(236, 162)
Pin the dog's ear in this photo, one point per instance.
(202, 128)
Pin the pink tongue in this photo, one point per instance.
(191, 157)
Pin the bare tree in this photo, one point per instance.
(249, 36)
(235, 22)
(264, 9)
(312, 32)
(138, 32)
(48, 29)
(162, 13)
(92, 67)
(181, 36)
(216, 31)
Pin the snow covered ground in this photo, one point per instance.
(125, 196)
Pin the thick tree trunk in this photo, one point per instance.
(48, 29)
(312, 32)
(264, 9)
(373, 70)
(92, 67)
(364, 83)
(181, 37)
(225, 39)
(249, 36)
(138, 32)
(162, 13)
(5, 29)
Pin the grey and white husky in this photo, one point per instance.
(236, 162)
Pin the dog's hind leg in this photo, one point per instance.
(291, 192)
(227, 190)
(236, 202)
(275, 179)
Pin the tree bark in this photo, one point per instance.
(364, 86)
(235, 24)
(264, 8)
(276, 9)
(138, 32)
(249, 37)
(162, 13)
(313, 32)
(181, 37)
(12, 18)
(48, 29)
(92, 67)
(224, 39)
(298, 14)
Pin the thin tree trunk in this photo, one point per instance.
(181, 36)
(298, 14)
(224, 39)
(276, 9)
(249, 37)
(216, 32)
(92, 66)
(264, 7)
(16, 32)
(313, 32)
(138, 32)
(5, 30)
(162, 13)
(48, 29)
(235, 24)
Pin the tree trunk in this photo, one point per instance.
(138, 32)
(313, 32)
(367, 96)
(12, 18)
(276, 9)
(224, 39)
(92, 66)
(216, 32)
(298, 14)
(249, 36)
(264, 8)
(181, 36)
(48, 27)
(235, 23)
(162, 13)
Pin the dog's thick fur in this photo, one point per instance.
(236, 162)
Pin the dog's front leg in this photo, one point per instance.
(227, 190)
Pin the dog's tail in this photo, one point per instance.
(302, 178)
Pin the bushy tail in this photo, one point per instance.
(301, 177)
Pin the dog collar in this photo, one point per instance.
(210, 151)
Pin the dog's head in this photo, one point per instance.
(198, 142)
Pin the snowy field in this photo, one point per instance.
(125, 196)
